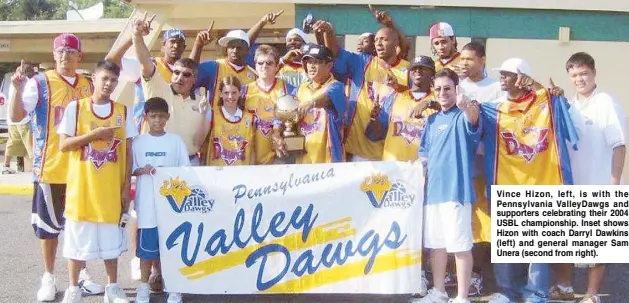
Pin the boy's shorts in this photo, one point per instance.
(47, 209)
(448, 226)
(87, 241)
(148, 244)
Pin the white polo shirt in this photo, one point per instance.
(600, 123)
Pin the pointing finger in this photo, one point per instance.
(211, 26)
(371, 9)
(552, 84)
(146, 15)
(22, 65)
(279, 13)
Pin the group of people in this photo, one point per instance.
(469, 130)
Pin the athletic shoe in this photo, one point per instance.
(136, 272)
(47, 291)
(7, 170)
(72, 296)
(423, 286)
(113, 294)
(459, 300)
(590, 299)
(561, 293)
(143, 293)
(500, 298)
(450, 280)
(433, 296)
(88, 286)
(476, 284)
(174, 298)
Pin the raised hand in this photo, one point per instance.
(204, 104)
(322, 26)
(381, 16)
(142, 26)
(272, 17)
(524, 81)
(205, 37)
(462, 101)
(554, 90)
(18, 78)
(291, 55)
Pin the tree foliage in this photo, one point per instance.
(17, 10)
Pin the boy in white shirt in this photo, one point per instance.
(157, 148)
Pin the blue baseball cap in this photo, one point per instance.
(173, 33)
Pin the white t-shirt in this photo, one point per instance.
(485, 90)
(167, 150)
(30, 95)
(68, 122)
(418, 95)
(600, 123)
(26, 119)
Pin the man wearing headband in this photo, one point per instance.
(443, 44)
(366, 43)
(45, 97)
(291, 68)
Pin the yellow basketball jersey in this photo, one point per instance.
(261, 103)
(293, 73)
(373, 90)
(231, 143)
(97, 170)
(404, 133)
(451, 63)
(315, 127)
(245, 75)
(163, 69)
(50, 165)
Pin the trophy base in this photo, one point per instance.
(295, 144)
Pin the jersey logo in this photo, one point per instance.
(409, 131)
(311, 122)
(100, 156)
(228, 155)
(58, 114)
(265, 127)
(528, 152)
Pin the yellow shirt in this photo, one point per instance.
(50, 165)
(98, 170)
(231, 143)
(451, 63)
(185, 117)
(223, 69)
(293, 73)
(261, 103)
(404, 132)
(370, 91)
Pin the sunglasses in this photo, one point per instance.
(267, 63)
(184, 74)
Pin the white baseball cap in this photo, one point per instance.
(516, 66)
(234, 35)
(441, 29)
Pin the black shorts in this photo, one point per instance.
(48, 206)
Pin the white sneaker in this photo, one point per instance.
(143, 293)
(499, 298)
(72, 296)
(459, 300)
(174, 298)
(423, 285)
(47, 291)
(88, 286)
(113, 294)
(433, 296)
(136, 272)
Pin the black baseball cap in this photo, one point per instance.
(318, 52)
(423, 61)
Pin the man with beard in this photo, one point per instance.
(477, 86)
(525, 119)
(398, 122)
(444, 46)
(369, 79)
(291, 68)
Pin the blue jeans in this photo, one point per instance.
(527, 281)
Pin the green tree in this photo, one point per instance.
(16, 10)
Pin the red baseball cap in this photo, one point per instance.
(67, 40)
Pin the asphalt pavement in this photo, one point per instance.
(20, 265)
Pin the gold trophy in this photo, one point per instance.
(286, 111)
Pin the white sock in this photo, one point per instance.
(73, 288)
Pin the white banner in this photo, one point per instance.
(328, 228)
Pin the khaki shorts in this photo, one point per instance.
(20, 143)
